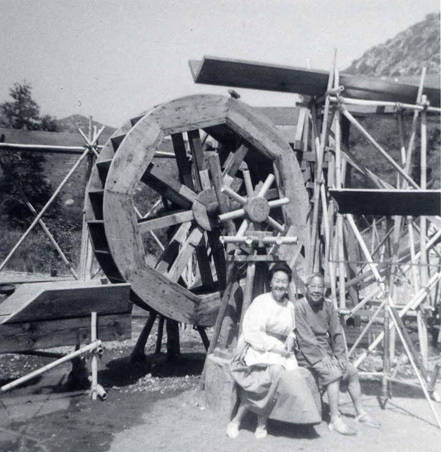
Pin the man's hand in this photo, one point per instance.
(328, 362)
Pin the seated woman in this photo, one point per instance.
(265, 369)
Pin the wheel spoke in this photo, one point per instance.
(275, 224)
(204, 264)
(278, 202)
(177, 193)
(234, 160)
(243, 228)
(182, 160)
(238, 213)
(194, 140)
(233, 195)
(146, 225)
(248, 184)
(185, 253)
(172, 250)
(266, 185)
(218, 254)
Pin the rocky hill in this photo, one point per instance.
(405, 54)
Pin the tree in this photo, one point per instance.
(23, 179)
(23, 112)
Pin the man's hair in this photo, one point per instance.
(314, 275)
(280, 267)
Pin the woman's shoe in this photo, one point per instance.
(232, 430)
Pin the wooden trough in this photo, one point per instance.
(46, 315)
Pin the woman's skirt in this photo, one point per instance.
(288, 396)
(297, 398)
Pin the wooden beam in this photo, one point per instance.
(312, 82)
(388, 201)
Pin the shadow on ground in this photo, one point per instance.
(124, 372)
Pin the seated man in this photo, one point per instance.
(323, 350)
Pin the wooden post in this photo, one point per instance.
(422, 328)
(173, 343)
(204, 337)
(86, 252)
(138, 350)
(94, 361)
(319, 150)
(248, 293)
(386, 353)
(159, 335)
(414, 123)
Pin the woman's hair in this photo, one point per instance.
(280, 267)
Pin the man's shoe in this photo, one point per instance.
(260, 432)
(365, 419)
(232, 430)
(340, 427)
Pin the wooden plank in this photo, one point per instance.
(311, 82)
(388, 202)
(23, 336)
(150, 224)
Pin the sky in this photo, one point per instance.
(113, 59)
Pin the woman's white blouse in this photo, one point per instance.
(266, 326)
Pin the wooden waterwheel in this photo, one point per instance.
(153, 216)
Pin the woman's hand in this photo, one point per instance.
(285, 353)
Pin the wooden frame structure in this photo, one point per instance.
(373, 259)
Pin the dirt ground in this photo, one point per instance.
(157, 406)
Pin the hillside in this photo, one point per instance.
(405, 54)
(401, 58)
